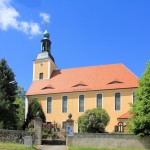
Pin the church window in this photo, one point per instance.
(41, 75)
(49, 104)
(81, 103)
(99, 100)
(64, 124)
(64, 104)
(120, 127)
(117, 101)
(133, 97)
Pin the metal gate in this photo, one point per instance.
(52, 134)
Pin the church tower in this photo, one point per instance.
(44, 64)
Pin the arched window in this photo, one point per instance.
(64, 104)
(120, 127)
(117, 101)
(49, 104)
(81, 103)
(99, 100)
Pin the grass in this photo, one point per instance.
(14, 146)
(88, 148)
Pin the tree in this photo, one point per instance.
(140, 120)
(21, 93)
(93, 121)
(34, 109)
(19, 101)
(8, 87)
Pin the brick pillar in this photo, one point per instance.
(69, 130)
(38, 130)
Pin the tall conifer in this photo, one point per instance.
(8, 88)
(34, 110)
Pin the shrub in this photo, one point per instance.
(93, 121)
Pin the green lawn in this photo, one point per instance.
(13, 146)
(83, 148)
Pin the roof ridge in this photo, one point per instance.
(91, 66)
(130, 71)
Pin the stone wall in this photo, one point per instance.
(14, 136)
(108, 140)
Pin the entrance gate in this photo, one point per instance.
(48, 134)
(54, 135)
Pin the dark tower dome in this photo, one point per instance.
(46, 43)
(46, 46)
(46, 34)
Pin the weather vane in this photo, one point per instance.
(46, 25)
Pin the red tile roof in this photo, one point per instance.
(113, 76)
(125, 116)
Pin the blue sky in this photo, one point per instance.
(83, 33)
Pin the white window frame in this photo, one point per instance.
(79, 103)
(62, 104)
(42, 76)
(96, 99)
(51, 104)
(120, 101)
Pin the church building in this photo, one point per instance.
(76, 90)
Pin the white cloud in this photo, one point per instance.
(45, 17)
(24, 26)
(8, 15)
(34, 29)
(9, 18)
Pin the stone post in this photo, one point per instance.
(69, 130)
(38, 130)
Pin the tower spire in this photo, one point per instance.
(44, 58)
(45, 42)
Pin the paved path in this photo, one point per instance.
(52, 147)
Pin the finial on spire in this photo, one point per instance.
(46, 34)
(46, 25)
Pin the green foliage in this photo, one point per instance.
(93, 121)
(21, 93)
(1, 125)
(140, 121)
(46, 130)
(8, 88)
(8, 85)
(21, 111)
(50, 130)
(34, 109)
